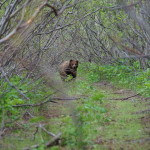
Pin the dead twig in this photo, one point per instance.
(34, 105)
(139, 140)
(48, 144)
(21, 25)
(143, 111)
(125, 98)
(49, 133)
(73, 98)
(2, 132)
(39, 104)
(41, 126)
(36, 131)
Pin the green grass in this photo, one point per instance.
(94, 121)
(131, 77)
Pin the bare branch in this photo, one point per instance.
(29, 21)
(39, 104)
(125, 98)
(48, 144)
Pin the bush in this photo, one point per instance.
(11, 96)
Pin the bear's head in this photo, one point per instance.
(73, 64)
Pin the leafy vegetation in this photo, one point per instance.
(93, 121)
(132, 77)
(88, 113)
(15, 96)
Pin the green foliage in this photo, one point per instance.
(69, 78)
(91, 117)
(88, 114)
(10, 96)
(126, 76)
(37, 119)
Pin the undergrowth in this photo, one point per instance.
(88, 114)
(12, 93)
(84, 120)
(132, 77)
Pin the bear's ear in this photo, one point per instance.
(71, 60)
(77, 61)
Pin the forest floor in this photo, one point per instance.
(129, 128)
(126, 125)
(128, 114)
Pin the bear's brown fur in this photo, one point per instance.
(68, 68)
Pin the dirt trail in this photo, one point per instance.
(130, 114)
(129, 128)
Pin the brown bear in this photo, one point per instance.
(68, 68)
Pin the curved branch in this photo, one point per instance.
(29, 21)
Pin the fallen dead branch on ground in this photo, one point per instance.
(50, 100)
(41, 126)
(54, 141)
(139, 140)
(33, 105)
(125, 98)
(143, 111)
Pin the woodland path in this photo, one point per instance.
(129, 128)
(130, 114)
